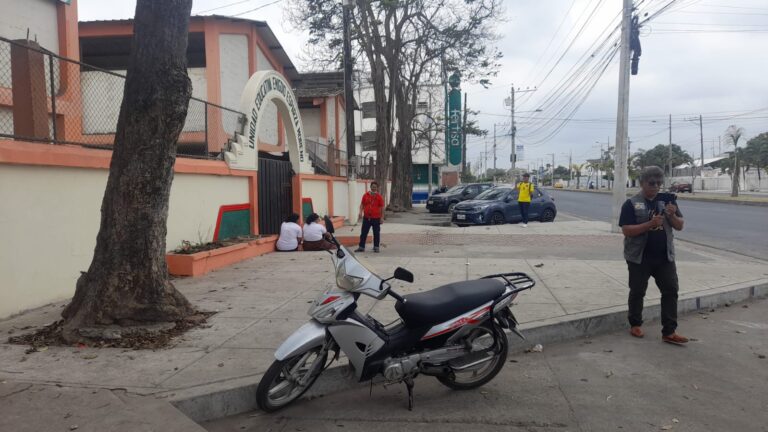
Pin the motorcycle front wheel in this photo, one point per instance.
(486, 340)
(286, 380)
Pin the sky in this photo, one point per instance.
(699, 57)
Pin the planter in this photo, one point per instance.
(200, 263)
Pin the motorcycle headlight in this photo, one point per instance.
(345, 281)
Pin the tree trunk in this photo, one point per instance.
(402, 157)
(127, 282)
(735, 176)
(383, 120)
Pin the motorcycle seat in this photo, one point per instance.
(447, 301)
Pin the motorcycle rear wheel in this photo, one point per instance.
(471, 379)
(281, 385)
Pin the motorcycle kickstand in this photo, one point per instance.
(409, 385)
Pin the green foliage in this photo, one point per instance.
(659, 156)
(561, 172)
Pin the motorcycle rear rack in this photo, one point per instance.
(517, 281)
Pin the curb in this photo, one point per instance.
(240, 396)
(679, 196)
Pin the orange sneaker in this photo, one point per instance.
(636, 331)
(675, 338)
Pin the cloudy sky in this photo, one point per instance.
(699, 57)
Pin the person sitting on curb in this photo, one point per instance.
(316, 235)
(647, 220)
(372, 213)
(290, 235)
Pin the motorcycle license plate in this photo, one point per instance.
(461, 216)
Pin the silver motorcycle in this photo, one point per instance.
(454, 332)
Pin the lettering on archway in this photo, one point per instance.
(264, 87)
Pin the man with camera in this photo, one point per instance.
(647, 221)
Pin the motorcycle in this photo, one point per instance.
(455, 333)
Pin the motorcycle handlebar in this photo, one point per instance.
(396, 296)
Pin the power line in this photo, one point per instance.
(222, 7)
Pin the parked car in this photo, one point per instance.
(680, 187)
(445, 201)
(499, 205)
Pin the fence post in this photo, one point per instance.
(205, 120)
(53, 97)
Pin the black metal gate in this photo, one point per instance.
(275, 194)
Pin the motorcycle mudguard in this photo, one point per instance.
(308, 336)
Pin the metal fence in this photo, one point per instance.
(48, 98)
(327, 158)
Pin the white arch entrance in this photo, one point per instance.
(264, 87)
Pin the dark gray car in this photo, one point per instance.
(444, 202)
(499, 206)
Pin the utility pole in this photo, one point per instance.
(669, 158)
(513, 128)
(494, 147)
(570, 168)
(622, 117)
(349, 101)
(552, 174)
(485, 158)
(619, 194)
(701, 137)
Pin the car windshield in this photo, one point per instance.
(456, 188)
(493, 194)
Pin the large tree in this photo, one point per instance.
(659, 156)
(756, 152)
(403, 44)
(127, 281)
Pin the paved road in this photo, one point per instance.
(608, 383)
(734, 227)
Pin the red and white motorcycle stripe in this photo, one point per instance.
(471, 317)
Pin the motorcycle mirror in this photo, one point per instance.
(403, 275)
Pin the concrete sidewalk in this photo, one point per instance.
(212, 372)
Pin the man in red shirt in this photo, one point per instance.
(372, 212)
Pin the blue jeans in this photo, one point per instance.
(367, 225)
(524, 206)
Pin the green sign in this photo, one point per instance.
(453, 141)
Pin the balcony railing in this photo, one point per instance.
(48, 98)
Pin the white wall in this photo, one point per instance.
(318, 191)
(39, 16)
(330, 103)
(50, 217)
(310, 119)
(233, 62)
(102, 95)
(341, 199)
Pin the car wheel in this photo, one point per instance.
(548, 215)
(451, 206)
(497, 218)
(462, 225)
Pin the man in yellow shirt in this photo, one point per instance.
(524, 191)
